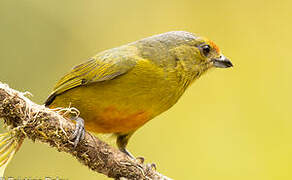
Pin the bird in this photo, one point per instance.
(119, 90)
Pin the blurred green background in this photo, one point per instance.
(231, 124)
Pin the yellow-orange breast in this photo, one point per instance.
(111, 119)
(123, 104)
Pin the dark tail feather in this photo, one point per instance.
(50, 99)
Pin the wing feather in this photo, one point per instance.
(97, 69)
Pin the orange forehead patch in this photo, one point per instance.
(212, 44)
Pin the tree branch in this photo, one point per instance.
(37, 122)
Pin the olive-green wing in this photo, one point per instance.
(94, 70)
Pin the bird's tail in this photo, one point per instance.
(8, 146)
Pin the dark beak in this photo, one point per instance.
(222, 62)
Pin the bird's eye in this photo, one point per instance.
(206, 50)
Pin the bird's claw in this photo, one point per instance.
(124, 150)
(79, 132)
(140, 160)
(151, 166)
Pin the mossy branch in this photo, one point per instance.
(38, 123)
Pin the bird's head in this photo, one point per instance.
(210, 53)
(194, 53)
(184, 51)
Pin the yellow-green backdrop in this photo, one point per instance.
(231, 124)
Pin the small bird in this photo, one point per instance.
(120, 89)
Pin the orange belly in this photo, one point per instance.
(112, 120)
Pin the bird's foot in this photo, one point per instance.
(79, 132)
(151, 166)
(141, 160)
(124, 150)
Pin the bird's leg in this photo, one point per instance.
(79, 131)
(122, 142)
